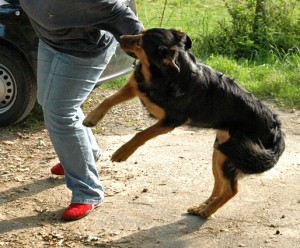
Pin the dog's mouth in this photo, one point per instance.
(133, 45)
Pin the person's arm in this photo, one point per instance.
(110, 15)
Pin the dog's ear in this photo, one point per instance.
(171, 62)
(183, 38)
(170, 57)
(188, 42)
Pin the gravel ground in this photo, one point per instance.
(146, 196)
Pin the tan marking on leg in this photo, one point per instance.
(138, 140)
(127, 92)
(223, 189)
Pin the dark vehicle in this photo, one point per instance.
(18, 52)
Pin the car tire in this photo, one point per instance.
(17, 87)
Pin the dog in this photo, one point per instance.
(178, 89)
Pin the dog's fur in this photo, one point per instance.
(178, 89)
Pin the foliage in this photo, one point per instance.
(274, 80)
(262, 53)
(253, 31)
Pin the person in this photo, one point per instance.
(76, 41)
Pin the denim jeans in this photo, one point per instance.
(64, 82)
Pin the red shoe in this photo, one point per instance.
(57, 169)
(78, 210)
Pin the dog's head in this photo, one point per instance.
(157, 46)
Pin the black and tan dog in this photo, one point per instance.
(178, 89)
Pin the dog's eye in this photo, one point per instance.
(139, 42)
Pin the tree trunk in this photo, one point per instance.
(260, 21)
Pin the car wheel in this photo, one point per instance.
(17, 87)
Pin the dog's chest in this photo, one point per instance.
(157, 93)
(152, 108)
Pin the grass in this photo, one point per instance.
(269, 77)
(276, 81)
(116, 83)
(180, 14)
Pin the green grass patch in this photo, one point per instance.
(277, 81)
(189, 16)
(270, 75)
(116, 83)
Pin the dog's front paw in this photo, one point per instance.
(122, 154)
(91, 120)
(95, 116)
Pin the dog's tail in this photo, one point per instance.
(252, 157)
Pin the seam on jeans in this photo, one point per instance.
(53, 67)
(110, 52)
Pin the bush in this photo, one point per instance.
(256, 27)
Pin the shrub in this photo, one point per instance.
(256, 27)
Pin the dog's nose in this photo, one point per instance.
(129, 38)
(128, 41)
(125, 39)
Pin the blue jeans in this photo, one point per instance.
(64, 82)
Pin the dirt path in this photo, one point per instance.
(147, 196)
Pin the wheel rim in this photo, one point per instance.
(7, 89)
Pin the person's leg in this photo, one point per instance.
(94, 146)
(58, 169)
(64, 82)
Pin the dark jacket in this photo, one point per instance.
(79, 26)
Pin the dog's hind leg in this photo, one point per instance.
(217, 184)
(127, 92)
(224, 188)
